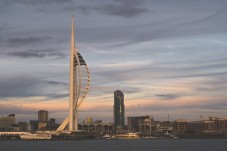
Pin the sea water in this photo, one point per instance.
(117, 145)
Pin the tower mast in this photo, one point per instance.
(72, 81)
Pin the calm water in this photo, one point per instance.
(117, 145)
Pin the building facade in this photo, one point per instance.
(97, 128)
(213, 125)
(143, 124)
(23, 126)
(42, 116)
(119, 109)
(33, 125)
(6, 122)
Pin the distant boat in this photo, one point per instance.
(127, 136)
(149, 137)
(107, 136)
(37, 136)
(170, 135)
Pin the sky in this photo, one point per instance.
(166, 56)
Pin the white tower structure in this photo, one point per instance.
(78, 85)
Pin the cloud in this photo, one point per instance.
(56, 95)
(168, 96)
(57, 83)
(19, 86)
(131, 90)
(127, 64)
(7, 3)
(166, 23)
(38, 54)
(126, 9)
(43, 2)
(109, 90)
(4, 26)
(28, 40)
(26, 86)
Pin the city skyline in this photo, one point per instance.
(166, 57)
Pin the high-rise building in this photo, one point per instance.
(43, 116)
(119, 108)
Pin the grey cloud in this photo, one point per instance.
(43, 2)
(103, 89)
(27, 54)
(210, 20)
(57, 83)
(123, 9)
(38, 54)
(198, 75)
(162, 71)
(3, 26)
(28, 40)
(19, 86)
(56, 96)
(168, 96)
(7, 3)
(131, 90)
(215, 104)
(30, 86)
(126, 9)
(214, 85)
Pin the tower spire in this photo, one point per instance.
(71, 81)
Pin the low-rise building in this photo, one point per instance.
(97, 128)
(142, 124)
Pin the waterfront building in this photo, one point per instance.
(42, 125)
(119, 109)
(163, 126)
(181, 126)
(42, 116)
(143, 124)
(52, 121)
(6, 122)
(34, 125)
(213, 125)
(97, 128)
(79, 84)
(14, 128)
(23, 126)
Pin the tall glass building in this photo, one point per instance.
(119, 108)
